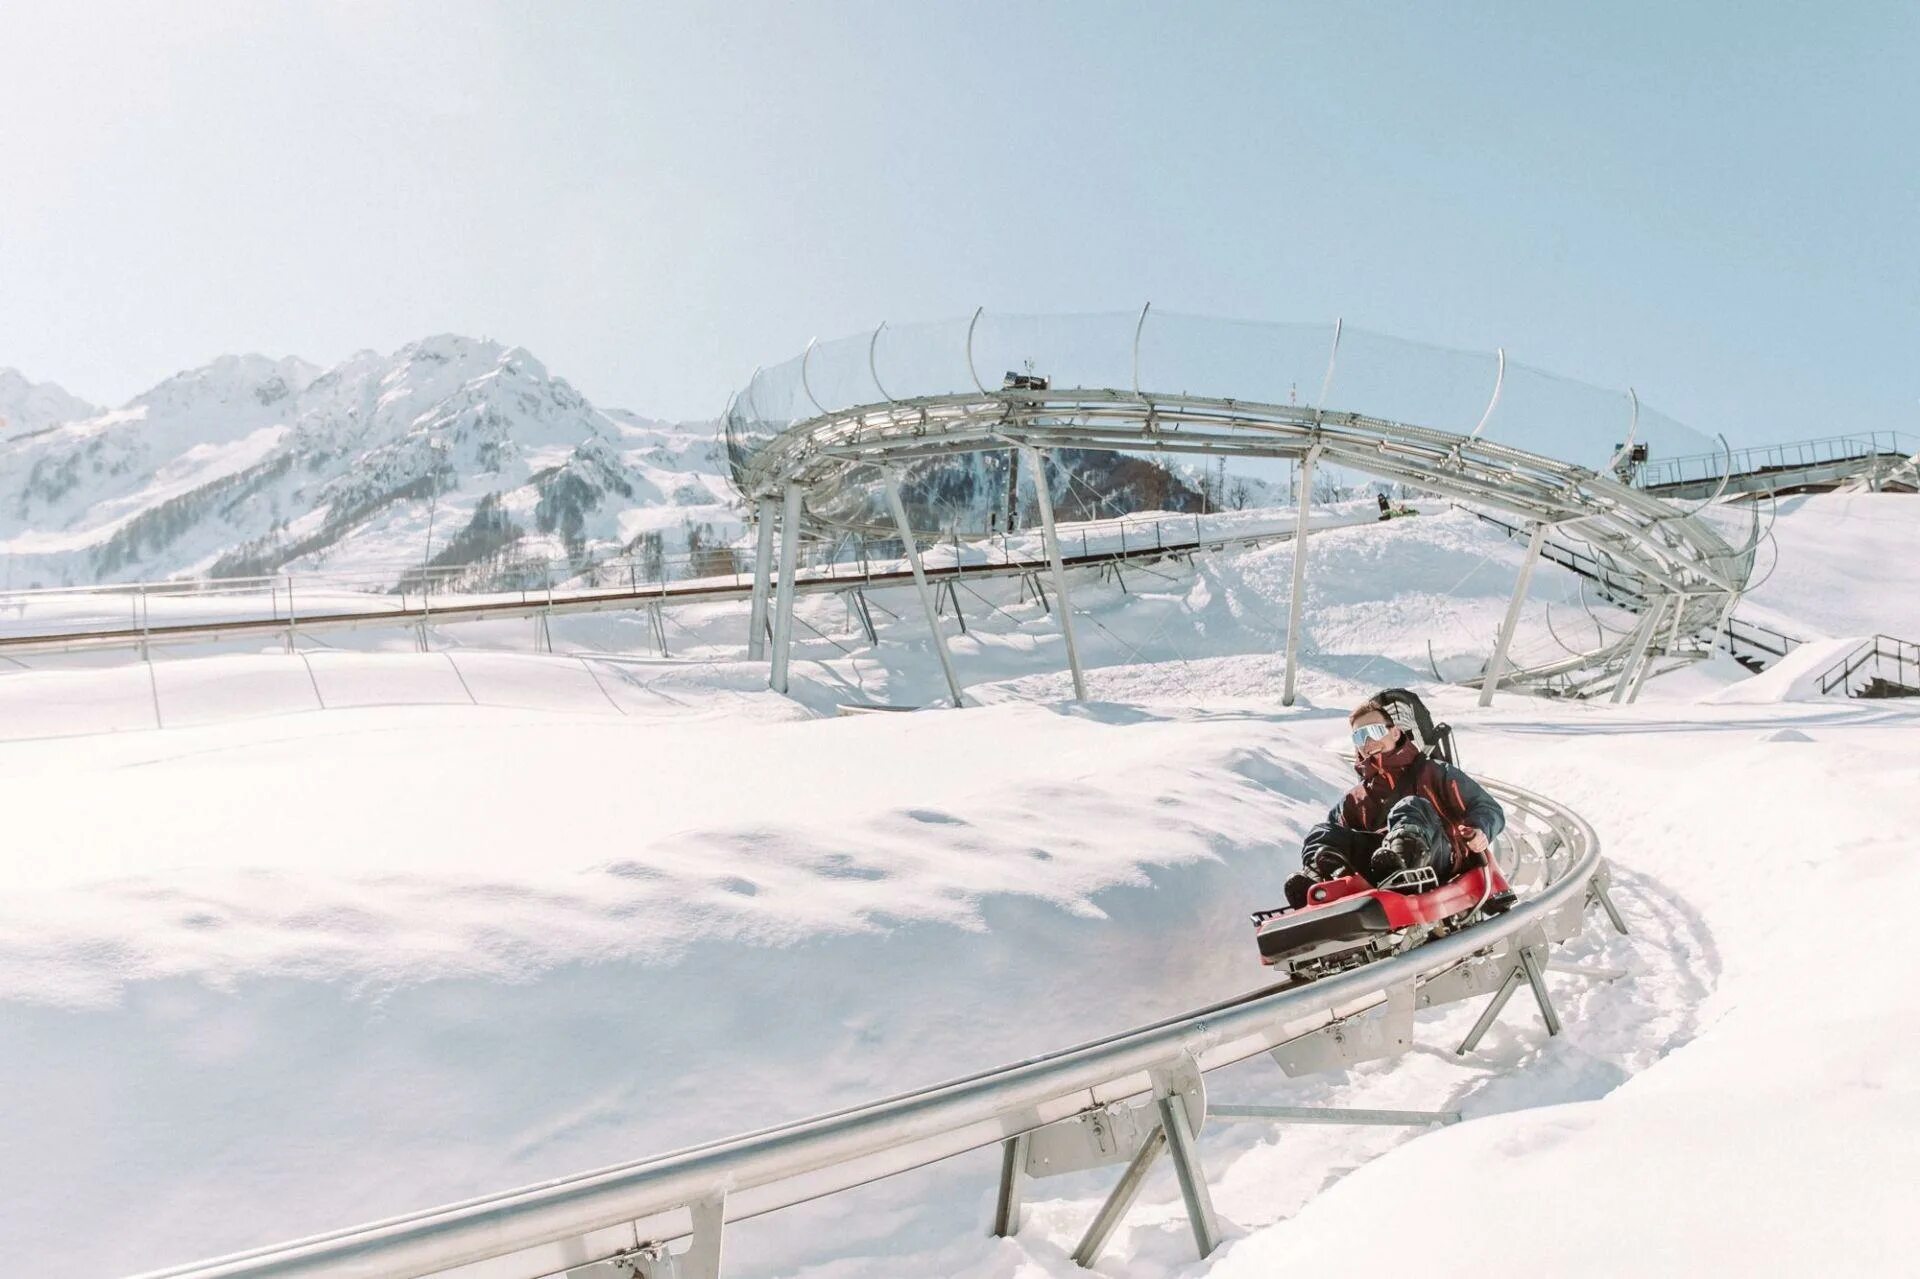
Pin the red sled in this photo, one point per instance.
(1347, 921)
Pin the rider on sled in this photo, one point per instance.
(1411, 823)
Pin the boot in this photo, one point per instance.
(1403, 849)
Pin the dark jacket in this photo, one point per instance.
(1388, 778)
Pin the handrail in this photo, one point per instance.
(1878, 648)
(837, 575)
(571, 1222)
(1762, 458)
(1766, 639)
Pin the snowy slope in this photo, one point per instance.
(330, 964)
(450, 451)
(1848, 564)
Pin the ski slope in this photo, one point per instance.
(495, 917)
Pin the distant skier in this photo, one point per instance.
(1386, 507)
(1409, 812)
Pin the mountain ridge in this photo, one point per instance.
(377, 467)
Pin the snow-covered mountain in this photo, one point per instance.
(26, 407)
(453, 452)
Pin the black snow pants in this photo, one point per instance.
(1354, 848)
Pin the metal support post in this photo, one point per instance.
(1006, 1204)
(912, 549)
(1334, 1115)
(858, 598)
(783, 600)
(1037, 466)
(659, 624)
(702, 1258)
(1114, 1210)
(1673, 631)
(1193, 1180)
(1600, 889)
(1646, 663)
(1497, 668)
(1646, 650)
(953, 596)
(1491, 1012)
(762, 574)
(1537, 979)
(1642, 636)
(1303, 503)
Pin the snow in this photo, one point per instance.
(1795, 677)
(1848, 564)
(362, 929)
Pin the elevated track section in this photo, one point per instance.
(840, 439)
(1124, 1101)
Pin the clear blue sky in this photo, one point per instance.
(1717, 203)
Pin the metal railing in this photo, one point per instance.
(621, 1220)
(1881, 653)
(283, 606)
(1762, 643)
(1763, 458)
(1744, 640)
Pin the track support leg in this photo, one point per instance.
(927, 603)
(1193, 1179)
(857, 603)
(1538, 980)
(1497, 668)
(1642, 643)
(762, 579)
(1006, 1205)
(1296, 606)
(1600, 888)
(659, 625)
(1114, 1210)
(1490, 1013)
(1045, 501)
(783, 601)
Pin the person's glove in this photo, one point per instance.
(1473, 837)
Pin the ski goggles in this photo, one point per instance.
(1371, 733)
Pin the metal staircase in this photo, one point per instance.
(1882, 666)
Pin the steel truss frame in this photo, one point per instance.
(835, 457)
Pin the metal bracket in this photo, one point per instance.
(1480, 975)
(1111, 1134)
(648, 1261)
(1384, 1030)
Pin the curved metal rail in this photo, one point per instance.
(629, 1213)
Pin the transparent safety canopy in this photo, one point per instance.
(1339, 368)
